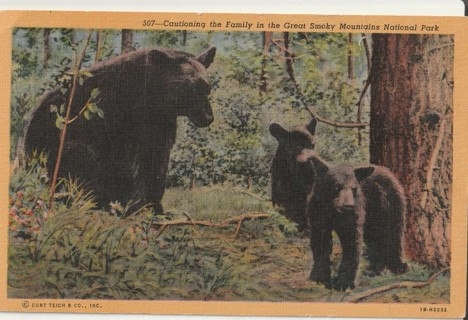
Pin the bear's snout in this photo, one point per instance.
(345, 201)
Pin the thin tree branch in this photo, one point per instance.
(399, 285)
(366, 48)
(284, 48)
(290, 71)
(432, 162)
(63, 133)
(81, 111)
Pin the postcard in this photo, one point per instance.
(233, 164)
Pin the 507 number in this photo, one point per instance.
(149, 23)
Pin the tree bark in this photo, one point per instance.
(46, 47)
(411, 133)
(98, 45)
(350, 58)
(266, 42)
(184, 37)
(127, 40)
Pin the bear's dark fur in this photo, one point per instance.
(125, 156)
(302, 184)
(357, 203)
(290, 178)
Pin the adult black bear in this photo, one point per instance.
(125, 155)
(290, 178)
(356, 202)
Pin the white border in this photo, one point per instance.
(345, 7)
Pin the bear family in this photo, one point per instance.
(124, 155)
(358, 203)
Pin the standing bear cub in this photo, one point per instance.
(358, 203)
(124, 155)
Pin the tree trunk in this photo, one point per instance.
(184, 37)
(411, 133)
(46, 47)
(350, 58)
(266, 37)
(98, 45)
(249, 183)
(127, 40)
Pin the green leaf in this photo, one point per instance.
(86, 73)
(59, 122)
(95, 92)
(63, 90)
(92, 107)
(62, 108)
(81, 81)
(88, 115)
(100, 113)
(53, 108)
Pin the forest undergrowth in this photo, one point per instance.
(79, 251)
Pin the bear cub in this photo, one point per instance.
(365, 203)
(290, 178)
(358, 203)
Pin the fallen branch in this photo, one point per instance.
(238, 220)
(399, 285)
(253, 195)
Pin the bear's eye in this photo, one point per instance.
(354, 191)
(337, 188)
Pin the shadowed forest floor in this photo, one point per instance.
(95, 255)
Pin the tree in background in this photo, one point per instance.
(127, 41)
(251, 88)
(411, 133)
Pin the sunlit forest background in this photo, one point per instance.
(251, 88)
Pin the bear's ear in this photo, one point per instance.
(159, 58)
(278, 131)
(311, 126)
(207, 57)
(363, 172)
(320, 166)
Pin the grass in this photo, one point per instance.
(87, 253)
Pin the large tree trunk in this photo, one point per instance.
(411, 133)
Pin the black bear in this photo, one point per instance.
(290, 178)
(125, 155)
(357, 203)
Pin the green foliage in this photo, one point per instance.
(79, 251)
(237, 148)
(94, 254)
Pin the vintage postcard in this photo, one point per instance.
(233, 164)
